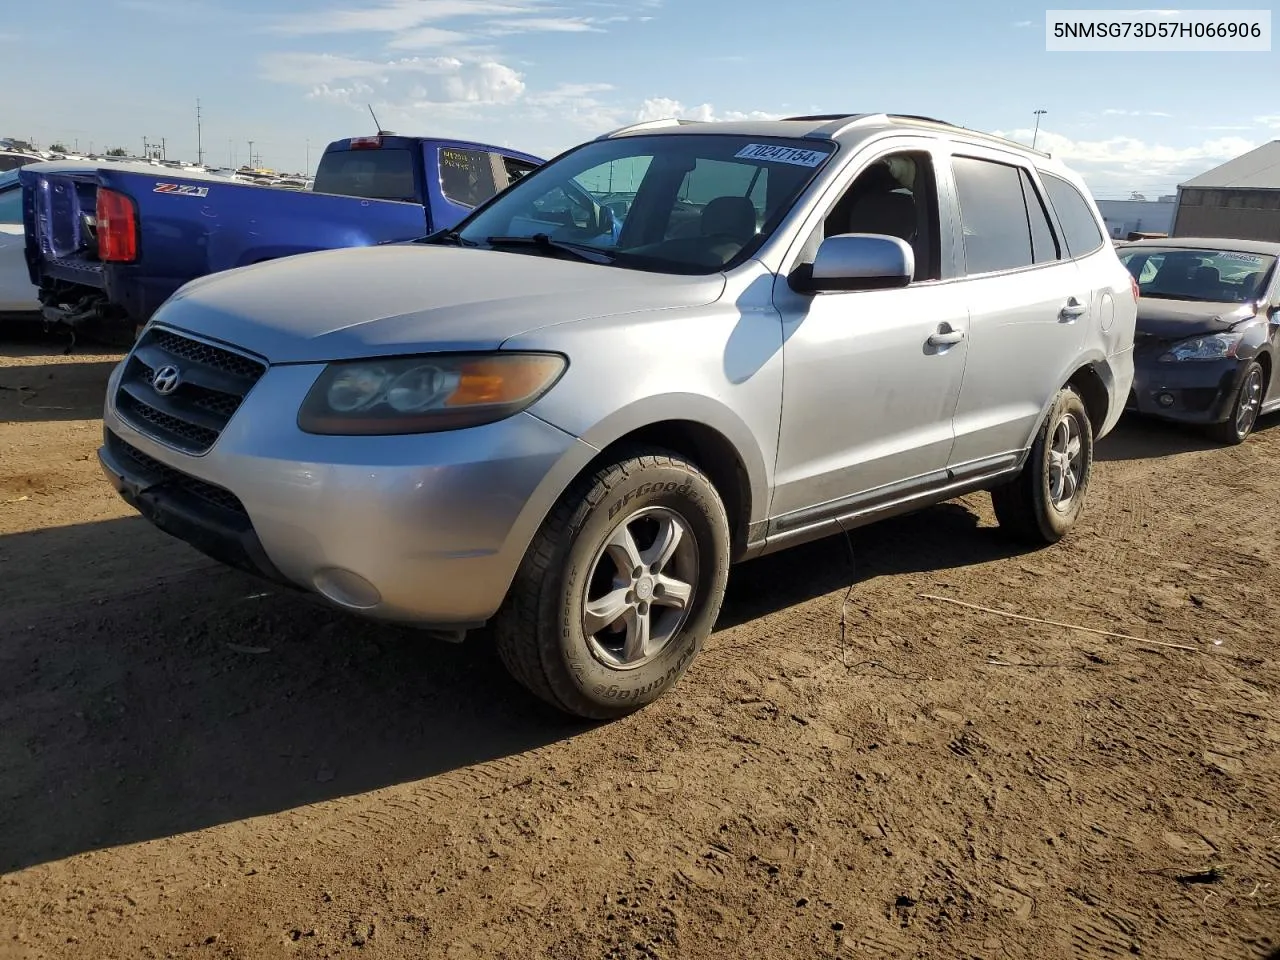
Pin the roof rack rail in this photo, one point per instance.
(839, 123)
(646, 125)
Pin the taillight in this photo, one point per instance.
(366, 143)
(117, 227)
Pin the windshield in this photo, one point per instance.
(383, 174)
(690, 203)
(1217, 276)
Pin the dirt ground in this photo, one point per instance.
(195, 764)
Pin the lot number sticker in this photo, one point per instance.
(776, 154)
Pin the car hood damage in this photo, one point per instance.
(1175, 319)
(407, 298)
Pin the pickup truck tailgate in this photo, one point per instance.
(61, 242)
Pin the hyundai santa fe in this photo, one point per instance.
(568, 417)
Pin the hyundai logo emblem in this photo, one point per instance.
(166, 380)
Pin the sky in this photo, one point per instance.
(544, 75)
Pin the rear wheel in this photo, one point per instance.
(1244, 409)
(620, 587)
(1046, 499)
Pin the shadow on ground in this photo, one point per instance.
(1148, 438)
(34, 388)
(156, 706)
(164, 694)
(939, 538)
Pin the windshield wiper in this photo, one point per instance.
(446, 236)
(583, 251)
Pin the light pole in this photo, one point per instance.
(1035, 135)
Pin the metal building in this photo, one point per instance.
(1239, 200)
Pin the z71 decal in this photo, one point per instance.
(182, 189)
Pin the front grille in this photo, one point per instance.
(212, 383)
(161, 473)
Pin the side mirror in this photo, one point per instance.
(856, 261)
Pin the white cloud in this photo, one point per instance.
(391, 16)
(1269, 121)
(1122, 163)
(421, 80)
(659, 108)
(500, 28)
(427, 38)
(1136, 113)
(1024, 23)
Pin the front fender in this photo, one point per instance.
(699, 409)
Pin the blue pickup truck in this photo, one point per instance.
(107, 244)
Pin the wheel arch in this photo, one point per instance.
(708, 449)
(710, 435)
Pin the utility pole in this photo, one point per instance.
(1034, 136)
(251, 154)
(199, 136)
(308, 171)
(164, 149)
(145, 155)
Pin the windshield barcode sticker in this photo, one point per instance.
(775, 154)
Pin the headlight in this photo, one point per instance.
(427, 393)
(1214, 346)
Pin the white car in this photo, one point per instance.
(17, 294)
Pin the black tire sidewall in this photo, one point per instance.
(688, 493)
(1055, 523)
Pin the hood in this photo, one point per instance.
(371, 301)
(1175, 319)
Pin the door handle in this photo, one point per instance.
(1072, 310)
(946, 336)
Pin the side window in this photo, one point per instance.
(993, 215)
(1080, 230)
(1044, 245)
(11, 206)
(895, 196)
(466, 177)
(516, 168)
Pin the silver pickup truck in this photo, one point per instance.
(568, 416)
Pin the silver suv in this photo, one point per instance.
(673, 348)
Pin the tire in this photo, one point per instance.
(578, 556)
(1244, 407)
(1033, 507)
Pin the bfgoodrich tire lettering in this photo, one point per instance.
(1046, 499)
(576, 574)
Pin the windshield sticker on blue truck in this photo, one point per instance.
(776, 154)
(1240, 257)
(182, 189)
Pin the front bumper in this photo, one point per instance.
(1188, 391)
(426, 530)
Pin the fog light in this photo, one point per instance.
(1165, 399)
(346, 589)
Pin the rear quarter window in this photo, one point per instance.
(1079, 228)
(384, 174)
(466, 176)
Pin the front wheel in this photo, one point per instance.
(620, 587)
(1044, 501)
(1244, 409)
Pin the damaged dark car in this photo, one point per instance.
(1208, 332)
